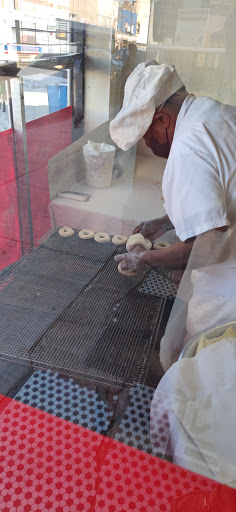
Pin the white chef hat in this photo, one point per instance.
(147, 88)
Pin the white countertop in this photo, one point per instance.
(118, 209)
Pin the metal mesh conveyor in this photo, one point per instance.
(66, 307)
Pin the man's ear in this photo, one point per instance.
(163, 118)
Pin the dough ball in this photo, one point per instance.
(102, 237)
(119, 240)
(126, 272)
(86, 234)
(65, 232)
(161, 245)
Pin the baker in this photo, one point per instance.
(197, 137)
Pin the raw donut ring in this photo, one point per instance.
(65, 232)
(102, 237)
(86, 234)
(126, 272)
(137, 239)
(160, 245)
(119, 239)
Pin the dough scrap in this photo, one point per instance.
(160, 245)
(126, 272)
(102, 237)
(119, 239)
(86, 234)
(230, 333)
(138, 239)
(149, 244)
(65, 232)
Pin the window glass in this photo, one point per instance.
(199, 38)
(117, 353)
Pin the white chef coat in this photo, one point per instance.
(199, 188)
(199, 183)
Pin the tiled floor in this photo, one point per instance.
(128, 412)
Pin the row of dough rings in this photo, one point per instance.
(119, 239)
(86, 234)
(65, 232)
(102, 237)
(125, 272)
(160, 245)
(99, 237)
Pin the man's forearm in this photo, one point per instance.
(174, 257)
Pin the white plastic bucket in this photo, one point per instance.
(99, 160)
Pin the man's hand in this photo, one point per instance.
(153, 229)
(133, 260)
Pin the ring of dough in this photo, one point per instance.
(65, 232)
(119, 239)
(138, 239)
(102, 237)
(161, 245)
(125, 272)
(86, 234)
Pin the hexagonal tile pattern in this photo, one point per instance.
(65, 398)
(158, 285)
(134, 427)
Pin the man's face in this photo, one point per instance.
(157, 140)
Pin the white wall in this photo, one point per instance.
(200, 41)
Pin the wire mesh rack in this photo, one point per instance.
(65, 306)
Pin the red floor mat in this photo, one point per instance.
(51, 464)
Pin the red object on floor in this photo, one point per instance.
(46, 137)
(220, 499)
(10, 243)
(51, 464)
